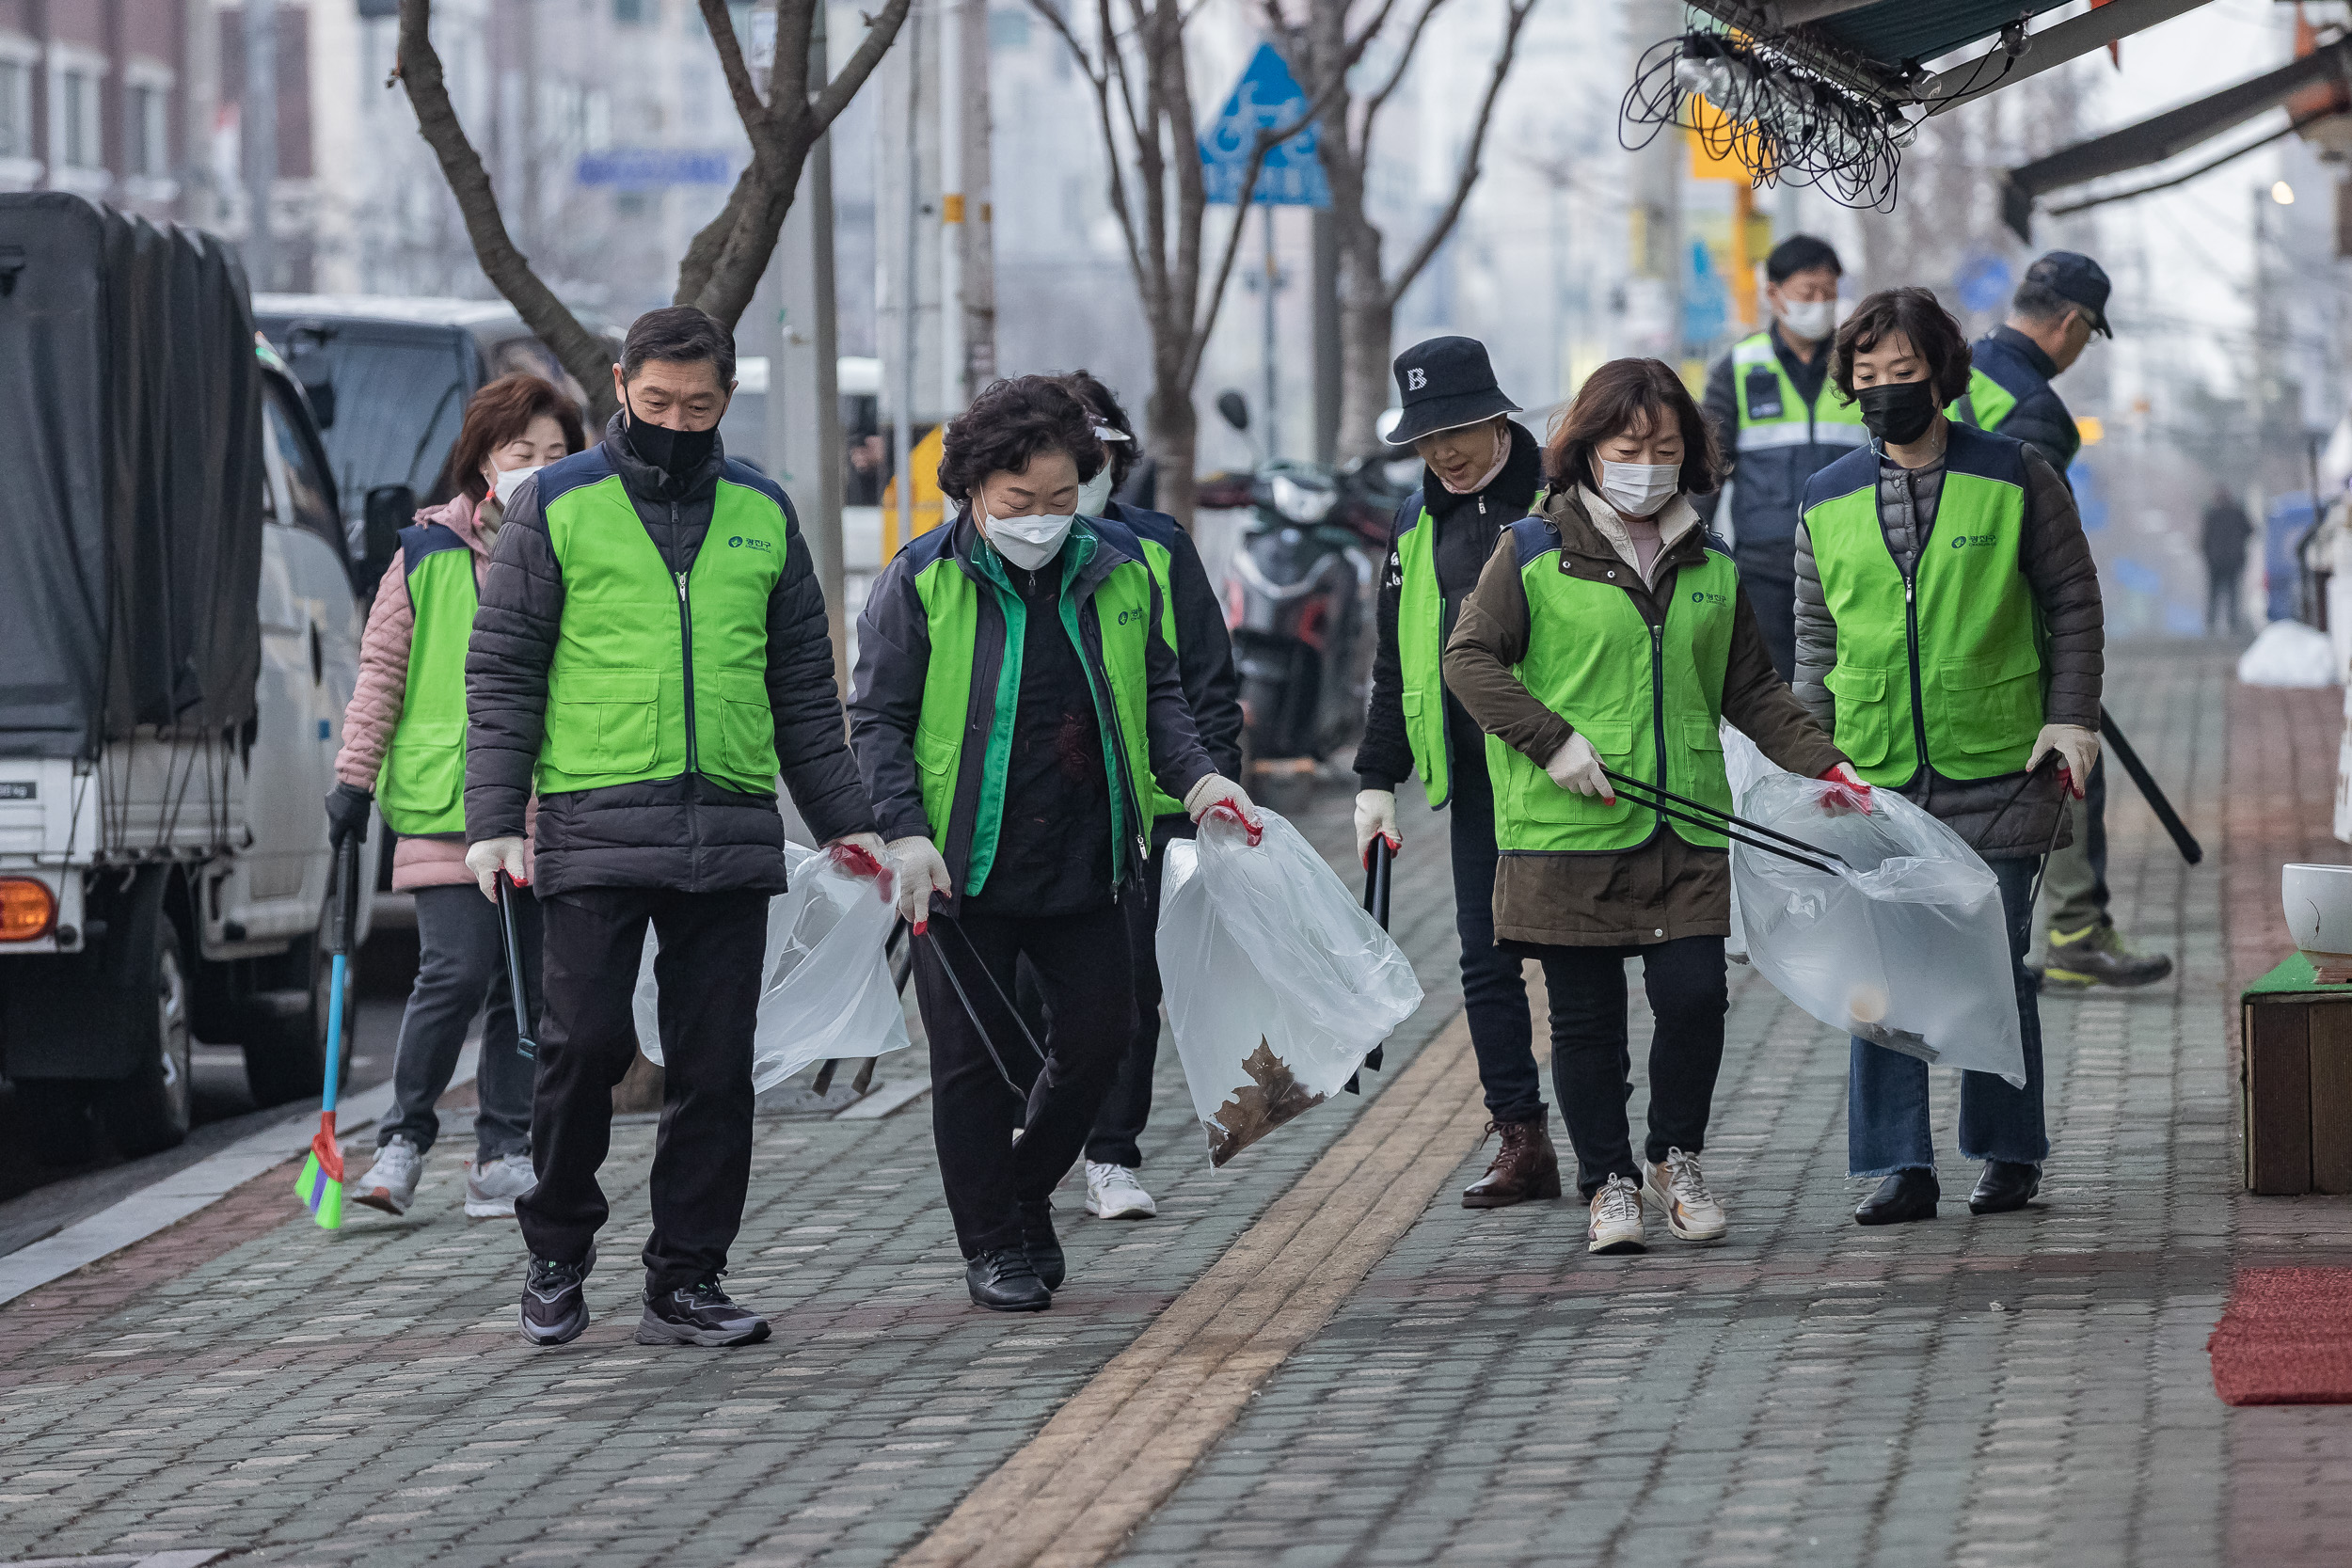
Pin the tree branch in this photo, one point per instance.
(1098, 77)
(880, 35)
(739, 76)
(1468, 175)
(583, 354)
(1379, 99)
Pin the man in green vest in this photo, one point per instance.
(2056, 310)
(1779, 426)
(650, 653)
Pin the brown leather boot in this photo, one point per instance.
(1524, 1168)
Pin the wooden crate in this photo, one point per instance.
(2295, 1082)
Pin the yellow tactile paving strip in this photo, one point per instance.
(1116, 1451)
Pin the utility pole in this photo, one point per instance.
(910, 51)
(1652, 325)
(1273, 276)
(1323, 303)
(257, 133)
(968, 273)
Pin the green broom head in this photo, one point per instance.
(321, 1184)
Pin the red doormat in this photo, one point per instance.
(2285, 1338)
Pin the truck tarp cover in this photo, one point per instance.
(131, 563)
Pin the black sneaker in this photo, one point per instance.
(1005, 1281)
(554, 1309)
(1043, 1247)
(698, 1314)
(2098, 955)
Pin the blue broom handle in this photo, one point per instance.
(341, 927)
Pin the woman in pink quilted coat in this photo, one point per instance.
(403, 750)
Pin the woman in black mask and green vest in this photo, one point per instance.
(1482, 471)
(1609, 634)
(1949, 634)
(1015, 701)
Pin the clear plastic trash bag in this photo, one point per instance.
(2288, 653)
(1743, 764)
(1903, 947)
(827, 993)
(1278, 983)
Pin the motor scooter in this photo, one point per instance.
(1300, 596)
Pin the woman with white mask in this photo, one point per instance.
(403, 750)
(1608, 636)
(1015, 706)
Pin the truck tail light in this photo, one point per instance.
(29, 910)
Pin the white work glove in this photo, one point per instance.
(921, 873)
(1376, 817)
(1216, 790)
(1847, 792)
(863, 855)
(1576, 766)
(491, 856)
(2077, 748)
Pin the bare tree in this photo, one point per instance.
(722, 267)
(1320, 52)
(1142, 84)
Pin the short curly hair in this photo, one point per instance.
(1917, 315)
(1007, 426)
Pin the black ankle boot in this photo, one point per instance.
(1906, 1195)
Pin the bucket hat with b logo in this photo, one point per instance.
(1442, 384)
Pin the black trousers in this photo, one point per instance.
(1494, 988)
(1689, 996)
(708, 970)
(1086, 976)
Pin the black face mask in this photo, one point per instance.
(675, 452)
(1898, 411)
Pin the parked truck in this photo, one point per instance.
(179, 634)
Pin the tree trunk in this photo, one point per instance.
(1367, 317)
(1175, 431)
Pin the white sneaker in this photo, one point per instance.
(1693, 1212)
(492, 1189)
(391, 1183)
(1616, 1223)
(1114, 1193)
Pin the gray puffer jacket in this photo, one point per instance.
(2055, 557)
(688, 832)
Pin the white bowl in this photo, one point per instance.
(2318, 904)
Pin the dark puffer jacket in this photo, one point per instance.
(687, 833)
(2055, 558)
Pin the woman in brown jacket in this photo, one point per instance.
(404, 747)
(1608, 636)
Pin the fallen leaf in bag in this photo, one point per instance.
(1271, 1098)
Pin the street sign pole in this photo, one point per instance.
(1268, 98)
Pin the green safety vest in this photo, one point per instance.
(656, 674)
(1945, 669)
(1773, 415)
(1985, 404)
(1155, 560)
(421, 783)
(1648, 700)
(1420, 654)
(952, 709)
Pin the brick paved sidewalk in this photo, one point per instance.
(247, 1380)
(2016, 1391)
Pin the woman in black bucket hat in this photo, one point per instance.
(1483, 470)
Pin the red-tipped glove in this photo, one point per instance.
(1847, 792)
(861, 855)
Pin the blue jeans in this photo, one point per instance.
(1886, 1092)
(1494, 989)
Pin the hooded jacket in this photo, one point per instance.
(686, 833)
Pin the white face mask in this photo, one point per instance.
(1028, 542)
(1810, 319)
(1095, 494)
(1638, 489)
(509, 479)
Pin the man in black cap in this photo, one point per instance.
(1482, 471)
(2062, 301)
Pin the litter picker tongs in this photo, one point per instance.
(1715, 821)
